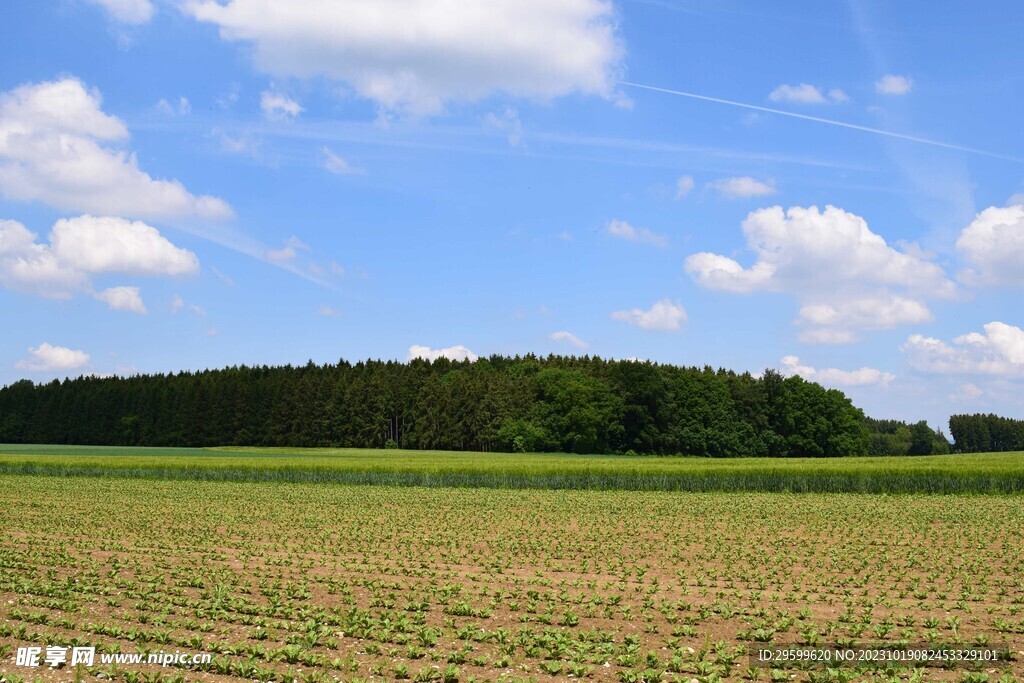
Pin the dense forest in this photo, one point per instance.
(894, 437)
(986, 433)
(567, 404)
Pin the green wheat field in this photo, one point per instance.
(977, 473)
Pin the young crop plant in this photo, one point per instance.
(371, 582)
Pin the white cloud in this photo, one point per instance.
(805, 93)
(328, 312)
(663, 316)
(417, 55)
(277, 106)
(47, 357)
(55, 148)
(684, 186)
(568, 337)
(838, 96)
(456, 353)
(81, 247)
(114, 245)
(994, 246)
(335, 164)
(177, 303)
(845, 276)
(835, 377)
(891, 84)
(967, 392)
(33, 268)
(127, 11)
(825, 335)
(237, 144)
(998, 351)
(508, 121)
(743, 187)
(832, 323)
(1016, 198)
(286, 253)
(182, 108)
(123, 299)
(625, 231)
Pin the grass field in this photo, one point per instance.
(979, 473)
(314, 582)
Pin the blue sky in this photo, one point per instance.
(186, 185)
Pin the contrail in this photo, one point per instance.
(831, 122)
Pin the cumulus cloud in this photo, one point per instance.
(684, 186)
(833, 323)
(663, 316)
(46, 357)
(625, 231)
(994, 246)
(568, 337)
(456, 353)
(417, 55)
(805, 93)
(82, 247)
(743, 187)
(29, 267)
(999, 350)
(127, 11)
(114, 245)
(838, 96)
(834, 377)
(123, 299)
(335, 164)
(57, 146)
(279, 107)
(891, 84)
(846, 277)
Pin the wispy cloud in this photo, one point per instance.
(743, 187)
(830, 122)
(625, 231)
(337, 165)
(569, 338)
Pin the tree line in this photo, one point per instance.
(512, 404)
(895, 437)
(986, 433)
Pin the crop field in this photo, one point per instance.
(328, 582)
(976, 473)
